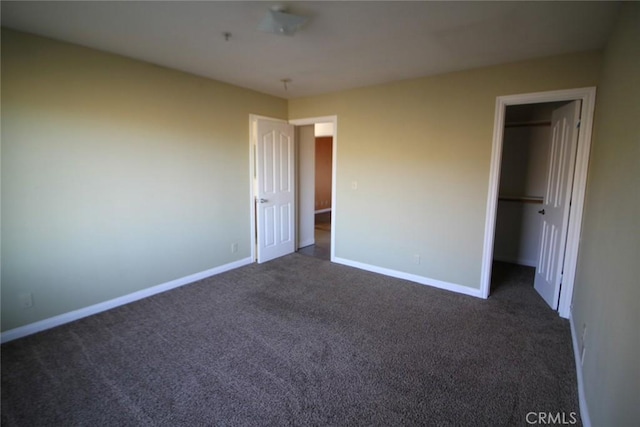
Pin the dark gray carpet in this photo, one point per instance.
(299, 341)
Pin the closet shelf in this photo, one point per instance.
(521, 199)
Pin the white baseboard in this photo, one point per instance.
(323, 210)
(411, 277)
(61, 319)
(582, 399)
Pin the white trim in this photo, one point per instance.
(492, 204)
(582, 399)
(255, 117)
(319, 211)
(587, 96)
(71, 316)
(314, 120)
(334, 168)
(411, 277)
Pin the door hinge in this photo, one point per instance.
(578, 124)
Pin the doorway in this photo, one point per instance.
(527, 144)
(494, 231)
(316, 186)
(304, 213)
(315, 166)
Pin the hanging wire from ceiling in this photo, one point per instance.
(285, 83)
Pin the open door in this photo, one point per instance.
(565, 123)
(275, 196)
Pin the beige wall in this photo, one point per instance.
(607, 291)
(116, 175)
(420, 153)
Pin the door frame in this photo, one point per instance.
(587, 95)
(253, 118)
(334, 153)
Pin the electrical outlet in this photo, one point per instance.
(26, 300)
(234, 248)
(416, 259)
(354, 185)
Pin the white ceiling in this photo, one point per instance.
(344, 44)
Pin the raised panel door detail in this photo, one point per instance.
(276, 189)
(268, 183)
(557, 202)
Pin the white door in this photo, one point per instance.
(275, 197)
(557, 201)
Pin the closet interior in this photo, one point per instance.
(523, 176)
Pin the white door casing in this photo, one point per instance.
(275, 189)
(334, 204)
(556, 204)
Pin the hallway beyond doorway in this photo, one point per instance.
(322, 231)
